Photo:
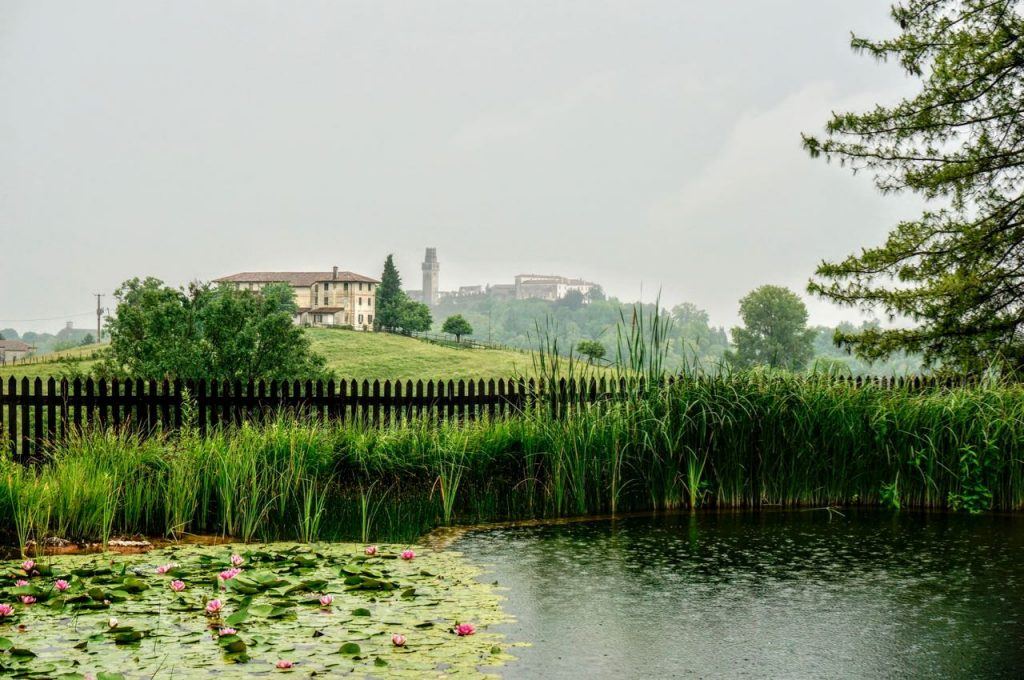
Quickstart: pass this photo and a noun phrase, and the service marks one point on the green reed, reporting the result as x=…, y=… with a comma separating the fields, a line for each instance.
x=732, y=440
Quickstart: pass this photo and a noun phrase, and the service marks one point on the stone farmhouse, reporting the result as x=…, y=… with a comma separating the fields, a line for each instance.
x=335, y=298
x=12, y=351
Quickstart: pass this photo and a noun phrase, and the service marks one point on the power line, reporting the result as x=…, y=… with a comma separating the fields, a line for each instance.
x=48, y=318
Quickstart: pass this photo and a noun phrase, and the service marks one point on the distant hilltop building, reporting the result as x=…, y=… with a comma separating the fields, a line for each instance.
x=334, y=298
x=431, y=276
x=549, y=287
x=526, y=287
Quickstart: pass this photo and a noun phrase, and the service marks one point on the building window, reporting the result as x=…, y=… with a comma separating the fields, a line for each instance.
x=360, y=318
x=360, y=285
x=369, y=318
x=345, y=286
x=327, y=286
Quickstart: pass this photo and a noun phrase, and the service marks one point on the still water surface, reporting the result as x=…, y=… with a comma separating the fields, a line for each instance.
x=774, y=594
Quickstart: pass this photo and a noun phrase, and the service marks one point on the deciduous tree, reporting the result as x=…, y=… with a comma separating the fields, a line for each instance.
x=774, y=331
x=456, y=325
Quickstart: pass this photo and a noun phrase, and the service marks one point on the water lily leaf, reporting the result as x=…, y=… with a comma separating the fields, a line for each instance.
x=5, y=644
x=361, y=611
x=126, y=638
x=109, y=676
x=231, y=643
x=237, y=618
x=22, y=652
x=350, y=649
x=379, y=662
x=408, y=593
x=134, y=585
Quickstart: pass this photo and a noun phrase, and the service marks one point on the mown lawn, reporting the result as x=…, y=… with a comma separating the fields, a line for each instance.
x=382, y=356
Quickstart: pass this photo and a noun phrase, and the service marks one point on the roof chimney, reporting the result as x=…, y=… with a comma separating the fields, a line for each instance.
x=335, y=274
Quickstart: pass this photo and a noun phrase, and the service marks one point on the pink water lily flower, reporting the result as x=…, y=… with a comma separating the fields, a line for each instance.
x=284, y=663
x=61, y=585
x=464, y=629
x=177, y=586
x=27, y=599
x=371, y=550
x=226, y=631
x=398, y=640
x=164, y=568
x=21, y=582
x=112, y=622
x=6, y=610
x=326, y=600
x=214, y=606
x=236, y=560
x=229, y=574
x=408, y=554
x=28, y=565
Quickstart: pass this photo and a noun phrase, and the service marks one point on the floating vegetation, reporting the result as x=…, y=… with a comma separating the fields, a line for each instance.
x=191, y=610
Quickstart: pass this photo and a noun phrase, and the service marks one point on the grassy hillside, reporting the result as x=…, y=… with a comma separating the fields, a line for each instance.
x=349, y=354
x=54, y=364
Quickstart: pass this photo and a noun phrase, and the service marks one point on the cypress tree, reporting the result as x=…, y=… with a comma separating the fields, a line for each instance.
x=390, y=297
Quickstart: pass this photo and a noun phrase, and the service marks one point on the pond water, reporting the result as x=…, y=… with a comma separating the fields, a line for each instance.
x=774, y=594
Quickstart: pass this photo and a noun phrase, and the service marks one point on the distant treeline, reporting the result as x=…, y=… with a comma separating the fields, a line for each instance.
x=693, y=341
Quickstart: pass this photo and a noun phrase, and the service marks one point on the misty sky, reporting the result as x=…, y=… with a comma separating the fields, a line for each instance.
x=642, y=145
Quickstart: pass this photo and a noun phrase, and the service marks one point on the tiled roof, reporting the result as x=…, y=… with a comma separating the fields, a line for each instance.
x=298, y=279
x=15, y=346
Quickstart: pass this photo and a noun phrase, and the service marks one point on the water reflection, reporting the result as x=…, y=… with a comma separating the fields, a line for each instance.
x=773, y=594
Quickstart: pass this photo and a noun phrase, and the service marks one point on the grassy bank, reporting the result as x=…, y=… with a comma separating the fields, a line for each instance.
x=731, y=441
x=350, y=354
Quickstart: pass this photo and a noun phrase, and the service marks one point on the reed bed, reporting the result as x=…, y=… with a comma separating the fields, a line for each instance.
x=737, y=440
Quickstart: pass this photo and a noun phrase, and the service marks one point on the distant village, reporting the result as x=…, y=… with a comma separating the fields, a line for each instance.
x=345, y=298
x=334, y=298
x=525, y=286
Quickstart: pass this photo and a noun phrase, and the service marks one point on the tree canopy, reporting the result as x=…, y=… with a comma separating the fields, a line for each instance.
x=957, y=270
x=774, y=331
x=458, y=326
x=216, y=333
x=413, y=317
x=592, y=349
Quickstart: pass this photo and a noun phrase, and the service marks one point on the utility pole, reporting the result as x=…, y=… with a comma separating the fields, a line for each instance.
x=99, y=317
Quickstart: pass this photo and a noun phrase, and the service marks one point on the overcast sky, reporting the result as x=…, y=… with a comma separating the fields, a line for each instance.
x=642, y=145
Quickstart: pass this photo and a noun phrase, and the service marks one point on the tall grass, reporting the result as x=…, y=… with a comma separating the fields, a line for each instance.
x=736, y=440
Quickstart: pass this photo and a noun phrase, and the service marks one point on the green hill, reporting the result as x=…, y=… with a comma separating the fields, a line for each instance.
x=350, y=354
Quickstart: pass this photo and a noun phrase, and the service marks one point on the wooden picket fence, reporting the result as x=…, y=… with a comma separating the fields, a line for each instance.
x=36, y=413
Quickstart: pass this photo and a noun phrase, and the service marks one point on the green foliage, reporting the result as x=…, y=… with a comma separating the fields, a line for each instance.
x=774, y=331
x=87, y=340
x=458, y=326
x=725, y=441
x=390, y=297
x=959, y=142
x=592, y=349
x=221, y=333
x=839, y=359
x=513, y=323
x=413, y=317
